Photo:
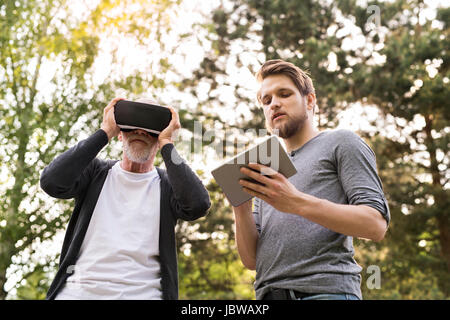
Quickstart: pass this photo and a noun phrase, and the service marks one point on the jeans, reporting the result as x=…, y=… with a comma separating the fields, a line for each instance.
x=328, y=296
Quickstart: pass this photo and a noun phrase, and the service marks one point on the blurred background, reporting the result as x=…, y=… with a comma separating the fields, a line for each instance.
x=380, y=68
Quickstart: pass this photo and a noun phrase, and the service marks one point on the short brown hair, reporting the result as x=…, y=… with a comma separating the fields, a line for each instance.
x=299, y=77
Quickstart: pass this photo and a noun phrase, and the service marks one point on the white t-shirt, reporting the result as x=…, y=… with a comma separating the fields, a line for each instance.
x=119, y=257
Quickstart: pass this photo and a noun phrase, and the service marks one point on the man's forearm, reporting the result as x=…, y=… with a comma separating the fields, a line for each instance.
x=246, y=236
x=63, y=172
x=186, y=185
x=353, y=220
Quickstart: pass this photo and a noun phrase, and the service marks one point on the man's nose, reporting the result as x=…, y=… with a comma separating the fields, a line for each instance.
x=140, y=131
x=274, y=104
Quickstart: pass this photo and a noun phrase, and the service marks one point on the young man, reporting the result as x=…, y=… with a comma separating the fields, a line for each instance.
x=120, y=241
x=299, y=235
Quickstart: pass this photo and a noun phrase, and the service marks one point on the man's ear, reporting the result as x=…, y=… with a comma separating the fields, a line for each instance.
x=120, y=136
x=311, y=100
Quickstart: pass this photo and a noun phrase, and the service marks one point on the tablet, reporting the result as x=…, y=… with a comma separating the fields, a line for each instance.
x=270, y=153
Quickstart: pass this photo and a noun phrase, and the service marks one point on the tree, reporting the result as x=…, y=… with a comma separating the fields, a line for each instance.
x=32, y=121
x=410, y=88
x=48, y=98
x=386, y=55
x=240, y=33
x=209, y=266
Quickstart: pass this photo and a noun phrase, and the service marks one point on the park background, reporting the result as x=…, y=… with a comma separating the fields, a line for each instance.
x=380, y=69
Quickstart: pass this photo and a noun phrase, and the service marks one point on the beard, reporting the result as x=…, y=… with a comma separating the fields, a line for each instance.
x=138, y=152
x=290, y=126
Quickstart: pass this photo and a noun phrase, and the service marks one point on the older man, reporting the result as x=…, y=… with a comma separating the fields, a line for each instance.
x=120, y=241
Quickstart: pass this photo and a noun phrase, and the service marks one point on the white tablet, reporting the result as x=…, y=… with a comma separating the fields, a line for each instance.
x=270, y=153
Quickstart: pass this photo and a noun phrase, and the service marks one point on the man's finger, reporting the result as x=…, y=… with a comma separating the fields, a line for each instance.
x=253, y=186
x=257, y=194
x=118, y=98
x=172, y=110
x=264, y=170
x=175, y=118
x=256, y=175
x=113, y=102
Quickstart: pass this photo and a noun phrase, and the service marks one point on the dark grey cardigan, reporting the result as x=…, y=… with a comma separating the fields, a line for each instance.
x=77, y=173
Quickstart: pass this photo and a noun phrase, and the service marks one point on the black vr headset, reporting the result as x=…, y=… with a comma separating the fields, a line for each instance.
x=132, y=115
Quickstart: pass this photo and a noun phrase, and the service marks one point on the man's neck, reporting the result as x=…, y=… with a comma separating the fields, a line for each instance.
x=135, y=167
x=301, y=137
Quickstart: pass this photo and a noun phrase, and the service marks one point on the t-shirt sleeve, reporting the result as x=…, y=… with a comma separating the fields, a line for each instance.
x=256, y=213
x=357, y=171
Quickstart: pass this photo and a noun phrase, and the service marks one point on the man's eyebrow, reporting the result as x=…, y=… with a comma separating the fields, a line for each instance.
x=284, y=89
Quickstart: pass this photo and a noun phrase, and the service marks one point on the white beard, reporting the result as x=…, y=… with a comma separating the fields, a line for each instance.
x=137, y=154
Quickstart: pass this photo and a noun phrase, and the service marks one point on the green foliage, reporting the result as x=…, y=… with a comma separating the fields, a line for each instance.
x=35, y=287
x=48, y=99
x=410, y=87
x=31, y=120
x=209, y=266
x=402, y=68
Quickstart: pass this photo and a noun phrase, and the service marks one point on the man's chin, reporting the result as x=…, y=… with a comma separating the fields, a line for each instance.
x=284, y=132
x=277, y=130
x=138, y=154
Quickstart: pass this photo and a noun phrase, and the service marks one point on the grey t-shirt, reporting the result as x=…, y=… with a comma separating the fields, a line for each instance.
x=295, y=253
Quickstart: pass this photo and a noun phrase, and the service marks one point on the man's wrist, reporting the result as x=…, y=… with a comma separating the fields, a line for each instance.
x=307, y=204
x=243, y=209
x=164, y=142
x=108, y=132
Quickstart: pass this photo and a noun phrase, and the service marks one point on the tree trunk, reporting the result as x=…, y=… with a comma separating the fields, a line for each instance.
x=444, y=237
x=3, y=266
x=3, y=293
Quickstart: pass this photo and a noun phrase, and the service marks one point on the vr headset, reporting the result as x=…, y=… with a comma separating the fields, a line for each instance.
x=132, y=115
